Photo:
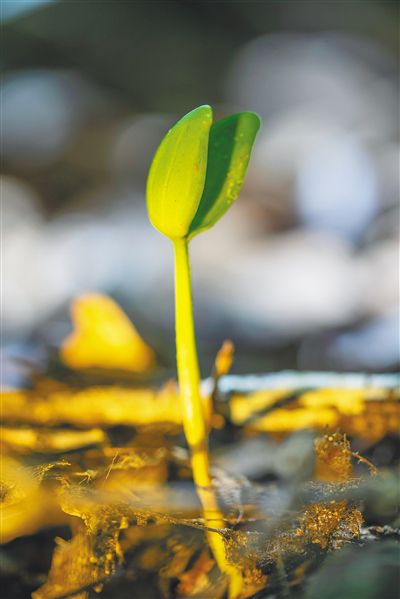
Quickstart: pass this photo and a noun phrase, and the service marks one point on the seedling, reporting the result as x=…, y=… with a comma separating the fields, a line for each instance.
x=196, y=174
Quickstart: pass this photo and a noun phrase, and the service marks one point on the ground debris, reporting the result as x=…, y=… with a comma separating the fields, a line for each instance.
x=330, y=525
x=94, y=406
x=366, y=413
x=28, y=440
x=93, y=458
x=376, y=533
x=126, y=516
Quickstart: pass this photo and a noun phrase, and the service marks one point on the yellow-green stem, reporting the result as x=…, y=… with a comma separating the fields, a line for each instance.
x=194, y=418
x=188, y=367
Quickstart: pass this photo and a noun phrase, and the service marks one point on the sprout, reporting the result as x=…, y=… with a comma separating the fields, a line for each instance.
x=197, y=173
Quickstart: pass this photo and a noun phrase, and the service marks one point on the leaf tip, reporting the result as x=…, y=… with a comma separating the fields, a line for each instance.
x=203, y=112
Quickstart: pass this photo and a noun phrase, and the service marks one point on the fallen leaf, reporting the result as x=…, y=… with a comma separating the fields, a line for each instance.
x=104, y=337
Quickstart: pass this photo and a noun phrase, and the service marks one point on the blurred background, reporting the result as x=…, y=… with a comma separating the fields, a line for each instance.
x=302, y=272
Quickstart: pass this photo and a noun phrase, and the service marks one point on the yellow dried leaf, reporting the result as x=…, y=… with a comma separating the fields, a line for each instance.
x=94, y=406
x=24, y=506
x=74, y=569
x=245, y=407
x=368, y=413
x=104, y=337
x=41, y=440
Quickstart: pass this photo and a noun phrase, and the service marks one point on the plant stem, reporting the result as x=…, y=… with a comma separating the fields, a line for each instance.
x=194, y=413
x=194, y=422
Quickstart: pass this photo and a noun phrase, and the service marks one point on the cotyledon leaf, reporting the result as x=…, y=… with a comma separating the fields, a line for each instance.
x=177, y=174
x=229, y=149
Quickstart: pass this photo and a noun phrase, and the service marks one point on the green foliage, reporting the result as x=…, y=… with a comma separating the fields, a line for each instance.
x=177, y=174
x=229, y=149
x=198, y=171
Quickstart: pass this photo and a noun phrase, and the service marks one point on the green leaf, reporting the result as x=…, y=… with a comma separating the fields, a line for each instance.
x=229, y=149
x=177, y=174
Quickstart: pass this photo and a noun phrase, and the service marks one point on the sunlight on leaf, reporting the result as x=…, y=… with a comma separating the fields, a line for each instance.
x=40, y=440
x=369, y=413
x=177, y=174
x=24, y=507
x=104, y=337
x=275, y=411
x=93, y=406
